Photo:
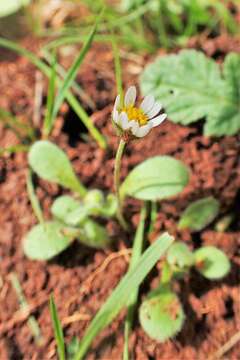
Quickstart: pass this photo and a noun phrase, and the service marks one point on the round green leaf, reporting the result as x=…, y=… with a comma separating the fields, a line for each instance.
x=44, y=241
x=52, y=164
x=211, y=262
x=162, y=316
x=179, y=255
x=156, y=178
x=199, y=214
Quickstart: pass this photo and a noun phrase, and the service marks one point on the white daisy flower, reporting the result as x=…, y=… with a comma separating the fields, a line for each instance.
x=137, y=121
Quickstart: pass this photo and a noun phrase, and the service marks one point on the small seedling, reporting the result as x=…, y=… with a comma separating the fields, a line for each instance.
x=161, y=314
x=73, y=217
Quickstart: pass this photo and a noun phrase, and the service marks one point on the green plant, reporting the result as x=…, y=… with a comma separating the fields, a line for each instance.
x=199, y=214
x=161, y=313
x=191, y=87
x=73, y=217
x=48, y=71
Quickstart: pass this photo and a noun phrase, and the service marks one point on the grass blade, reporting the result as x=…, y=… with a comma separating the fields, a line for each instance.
x=75, y=86
x=120, y=295
x=50, y=99
x=117, y=63
x=12, y=122
x=136, y=254
x=71, y=74
x=46, y=70
x=33, y=199
x=58, y=332
x=32, y=322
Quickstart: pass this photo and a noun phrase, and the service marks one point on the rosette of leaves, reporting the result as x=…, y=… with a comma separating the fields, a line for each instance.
x=192, y=87
x=74, y=217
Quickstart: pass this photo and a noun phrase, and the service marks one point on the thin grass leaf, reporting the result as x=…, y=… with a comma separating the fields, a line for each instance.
x=33, y=199
x=50, y=98
x=136, y=254
x=58, y=332
x=117, y=65
x=75, y=86
x=71, y=74
x=21, y=130
x=46, y=70
x=120, y=295
x=136, y=42
x=31, y=321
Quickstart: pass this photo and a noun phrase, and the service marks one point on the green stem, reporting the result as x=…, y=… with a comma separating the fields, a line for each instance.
x=117, y=169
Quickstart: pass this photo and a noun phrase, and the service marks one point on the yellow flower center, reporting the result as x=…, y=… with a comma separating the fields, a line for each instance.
x=136, y=114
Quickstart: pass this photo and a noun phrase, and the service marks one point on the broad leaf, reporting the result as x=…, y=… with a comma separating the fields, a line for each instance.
x=161, y=314
x=211, y=262
x=199, y=214
x=226, y=120
x=190, y=86
x=51, y=163
x=156, y=178
x=44, y=241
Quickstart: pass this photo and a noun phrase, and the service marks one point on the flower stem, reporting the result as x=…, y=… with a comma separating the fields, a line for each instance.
x=117, y=169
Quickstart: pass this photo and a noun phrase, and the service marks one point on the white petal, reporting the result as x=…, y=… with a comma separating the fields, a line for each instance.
x=155, y=110
x=143, y=130
x=117, y=103
x=123, y=121
x=115, y=116
x=147, y=103
x=130, y=96
x=134, y=126
x=158, y=120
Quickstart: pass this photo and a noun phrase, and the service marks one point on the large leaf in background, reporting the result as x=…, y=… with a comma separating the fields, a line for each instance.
x=190, y=87
x=226, y=120
x=52, y=164
x=156, y=178
x=8, y=7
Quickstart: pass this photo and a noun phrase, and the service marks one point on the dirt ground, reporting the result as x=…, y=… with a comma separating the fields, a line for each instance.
x=81, y=278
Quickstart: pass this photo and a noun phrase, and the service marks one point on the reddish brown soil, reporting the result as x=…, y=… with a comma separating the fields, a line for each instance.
x=212, y=308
